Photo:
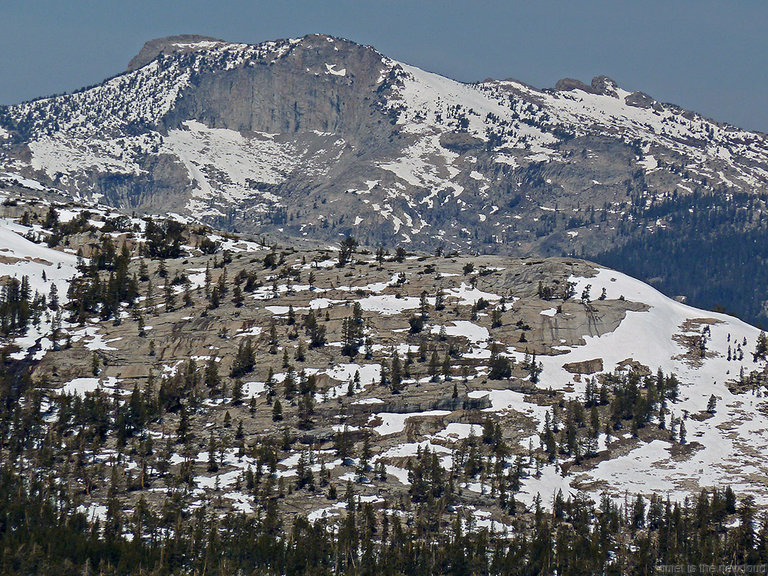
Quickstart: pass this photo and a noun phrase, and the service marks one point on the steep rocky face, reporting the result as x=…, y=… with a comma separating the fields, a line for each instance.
x=315, y=86
x=321, y=137
x=198, y=122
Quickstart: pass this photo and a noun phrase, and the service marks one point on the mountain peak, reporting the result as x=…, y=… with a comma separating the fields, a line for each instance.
x=153, y=48
x=193, y=42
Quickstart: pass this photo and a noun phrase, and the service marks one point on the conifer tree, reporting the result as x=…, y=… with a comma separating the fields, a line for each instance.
x=395, y=374
x=213, y=465
x=301, y=351
x=277, y=410
x=434, y=366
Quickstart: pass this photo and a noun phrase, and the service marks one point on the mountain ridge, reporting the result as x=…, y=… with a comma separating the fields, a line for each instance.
x=277, y=136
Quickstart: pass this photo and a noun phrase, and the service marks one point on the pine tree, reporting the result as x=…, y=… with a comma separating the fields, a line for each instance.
x=237, y=296
x=207, y=283
x=290, y=384
x=496, y=318
x=212, y=379
x=682, y=432
x=237, y=392
x=53, y=298
x=245, y=359
x=95, y=361
x=346, y=249
x=315, y=331
x=269, y=384
x=170, y=296
x=140, y=325
x=273, y=341
x=761, y=347
x=143, y=271
x=352, y=332
x=434, y=366
x=396, y=374
x=446, y=366
x=222, y=283
x=182, y=430
x=306, y=411
x=304, y=476
x=277, y=411
x=500, y=367
x=213, y=465
x=548, y=438
x=214, y=298
x=440, y=300
x=301, y=351
x=424, y=306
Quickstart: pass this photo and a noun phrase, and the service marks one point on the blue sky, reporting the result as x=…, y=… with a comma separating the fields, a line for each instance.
x=707, y=56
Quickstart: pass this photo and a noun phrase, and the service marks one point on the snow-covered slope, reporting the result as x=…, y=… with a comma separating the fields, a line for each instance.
x=665, y=336
x=531, y=124
x=44, y=268
x=655, y=337
x=22, y=257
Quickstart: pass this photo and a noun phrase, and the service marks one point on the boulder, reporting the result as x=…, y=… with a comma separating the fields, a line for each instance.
x=639, y=100
x=568, y=84
x=459, y=142
x=584, y=367
x=605, y=86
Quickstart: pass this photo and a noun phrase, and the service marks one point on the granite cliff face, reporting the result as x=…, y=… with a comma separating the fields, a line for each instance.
x=204, y=126
x=320, y=137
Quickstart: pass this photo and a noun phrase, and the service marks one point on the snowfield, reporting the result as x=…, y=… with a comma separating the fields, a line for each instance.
x=648, y=336
x=725, y=443
x=45, y=268
x=20, y=257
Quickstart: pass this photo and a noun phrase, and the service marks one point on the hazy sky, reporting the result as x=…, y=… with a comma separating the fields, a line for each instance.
x=707, y=56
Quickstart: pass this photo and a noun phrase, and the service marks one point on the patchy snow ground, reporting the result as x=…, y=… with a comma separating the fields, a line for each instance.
x=648, y=337
x=345, y=373
x=34, y=260
x=725, y=448
x=394, y=423
x=388, y=304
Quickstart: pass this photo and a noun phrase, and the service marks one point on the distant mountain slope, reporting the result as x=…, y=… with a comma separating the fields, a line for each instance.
x=322, y=137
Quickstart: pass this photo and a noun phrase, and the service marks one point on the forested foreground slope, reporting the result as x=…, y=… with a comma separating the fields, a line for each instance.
x=181, y=400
